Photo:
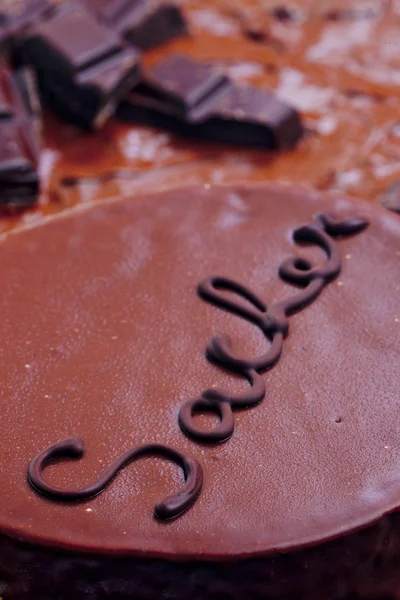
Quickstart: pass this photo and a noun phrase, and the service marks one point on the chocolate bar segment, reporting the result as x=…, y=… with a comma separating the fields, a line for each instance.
x=177, y=86
x=82, y=66
x=19, y=139
x=142, y=108
x=18, y=94
x=110, y=11
x=252, y=117
x=198, y=100
x=183, y=84
x=71, y=41
x=18, y=14
x=26, y=82
x=15, y=17
x=19, y=103
x=4, y=36
x=144, y=23
x=166, y=95
x=152, y=28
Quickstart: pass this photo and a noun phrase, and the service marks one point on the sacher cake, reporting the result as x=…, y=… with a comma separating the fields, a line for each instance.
x=200, y=399
x=199, y=316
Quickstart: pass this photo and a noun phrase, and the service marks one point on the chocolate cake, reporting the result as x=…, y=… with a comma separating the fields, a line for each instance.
x=199, y=395
x=200, y=399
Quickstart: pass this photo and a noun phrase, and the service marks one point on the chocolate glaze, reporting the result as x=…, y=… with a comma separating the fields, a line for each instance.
x=272, y=322
x=103, y=338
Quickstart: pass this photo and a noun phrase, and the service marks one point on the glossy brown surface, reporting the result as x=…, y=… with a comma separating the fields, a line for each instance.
x=338, y=64
x=104, y=336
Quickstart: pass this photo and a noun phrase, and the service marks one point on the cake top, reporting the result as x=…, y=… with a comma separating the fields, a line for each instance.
x=104, y=337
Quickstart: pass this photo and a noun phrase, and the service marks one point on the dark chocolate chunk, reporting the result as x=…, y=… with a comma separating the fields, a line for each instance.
x=197, y=100
x=23, y=13
x=141, y=108
x=179, y=85
x=27, y=85
x=26, y=82
x=82, y=66
x=15, y=17
x=391, y=198
x=19, y=139
x=4, y=37
x=250, y=116
x=110, y=11
x=81, y=100
x=13, y=158
x=6, y=107
x=153, y=27
x=18, y=95
x=70, y=42
x=143, y=23
x=19, y=103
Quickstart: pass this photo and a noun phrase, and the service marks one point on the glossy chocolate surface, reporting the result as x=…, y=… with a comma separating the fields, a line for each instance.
x=272, y=321
x=103, y=338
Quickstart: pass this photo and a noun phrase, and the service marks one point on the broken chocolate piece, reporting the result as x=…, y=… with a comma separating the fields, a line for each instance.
x=110, y=11
x=197, y=100
x=141, y=108
x=4, y=37
x=143, y=23
x=179, y=85
x=19, y=103
x=152, y=27
x=19, y=137
x=18, y=180
x=27, y=85
x=246, y=117
x=16, y=15
x=391, y=198
x=252, y=117
x=26, y=82
x=81, y=65
x=186, y=83
x=70, y=42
